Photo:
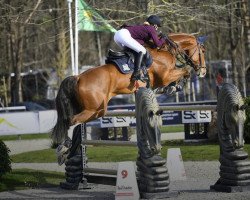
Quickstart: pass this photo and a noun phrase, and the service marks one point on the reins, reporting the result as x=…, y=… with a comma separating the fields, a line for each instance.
x=186, y=58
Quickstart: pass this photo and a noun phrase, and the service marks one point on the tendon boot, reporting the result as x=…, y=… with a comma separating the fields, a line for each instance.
x=138, y=75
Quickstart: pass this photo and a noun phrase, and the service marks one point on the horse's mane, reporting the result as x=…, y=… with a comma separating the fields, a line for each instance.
x=176, y=37
x=180, y=36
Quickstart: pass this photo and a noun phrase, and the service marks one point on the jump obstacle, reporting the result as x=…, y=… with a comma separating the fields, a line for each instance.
x=151, y=169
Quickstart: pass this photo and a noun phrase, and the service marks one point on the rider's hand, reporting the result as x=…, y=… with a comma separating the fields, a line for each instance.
x=162, y=35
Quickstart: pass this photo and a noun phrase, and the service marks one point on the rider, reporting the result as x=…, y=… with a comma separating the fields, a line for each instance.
x=135, y=36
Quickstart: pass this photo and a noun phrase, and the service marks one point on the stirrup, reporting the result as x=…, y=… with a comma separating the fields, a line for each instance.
x=136, y=76
x=170, y=90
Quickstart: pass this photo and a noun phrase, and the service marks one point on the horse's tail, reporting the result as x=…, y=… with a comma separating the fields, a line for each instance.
x=66, y=106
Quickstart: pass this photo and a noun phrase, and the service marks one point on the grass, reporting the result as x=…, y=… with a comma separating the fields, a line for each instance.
x=172, y=129
x=25, y=136
x=190, y=152
x=164, y=129
x=24, y=178
x=40, y=156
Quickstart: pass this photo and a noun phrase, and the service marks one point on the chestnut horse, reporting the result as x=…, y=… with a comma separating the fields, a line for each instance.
x=84, y=97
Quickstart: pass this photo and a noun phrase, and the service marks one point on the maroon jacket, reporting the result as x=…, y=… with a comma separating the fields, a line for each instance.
x=143, y=33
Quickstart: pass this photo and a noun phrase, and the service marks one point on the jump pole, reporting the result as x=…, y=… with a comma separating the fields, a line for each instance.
x=164, y=108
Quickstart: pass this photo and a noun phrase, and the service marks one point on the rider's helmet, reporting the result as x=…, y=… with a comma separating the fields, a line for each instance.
x=154, y=20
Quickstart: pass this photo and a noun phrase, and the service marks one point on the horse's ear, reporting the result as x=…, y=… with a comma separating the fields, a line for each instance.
x=202, y=39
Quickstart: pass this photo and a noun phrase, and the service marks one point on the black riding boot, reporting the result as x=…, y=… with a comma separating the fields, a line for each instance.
x=138, y=75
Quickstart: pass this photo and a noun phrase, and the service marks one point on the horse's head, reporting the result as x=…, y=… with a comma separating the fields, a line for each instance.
x=193, y=51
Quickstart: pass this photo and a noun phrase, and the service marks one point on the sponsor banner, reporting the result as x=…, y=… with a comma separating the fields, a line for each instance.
x=47, y=120
x=171, y=117
x=17, y=123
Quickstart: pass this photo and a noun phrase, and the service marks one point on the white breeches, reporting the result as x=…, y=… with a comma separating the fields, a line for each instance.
x=123, y=39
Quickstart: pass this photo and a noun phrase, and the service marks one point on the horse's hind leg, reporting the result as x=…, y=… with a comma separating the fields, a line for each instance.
x=94, y=105
x=86, y=116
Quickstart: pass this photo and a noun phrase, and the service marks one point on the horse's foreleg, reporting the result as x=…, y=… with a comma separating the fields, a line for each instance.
x=178, y=74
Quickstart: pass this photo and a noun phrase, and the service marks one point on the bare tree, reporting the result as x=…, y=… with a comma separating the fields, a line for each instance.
x=35, y=34
x=16, y=24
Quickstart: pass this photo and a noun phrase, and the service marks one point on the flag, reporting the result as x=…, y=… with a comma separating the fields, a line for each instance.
x=90, y=20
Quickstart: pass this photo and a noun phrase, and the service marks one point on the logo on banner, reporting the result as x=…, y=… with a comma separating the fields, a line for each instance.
x=108, y=122
x=199, y=116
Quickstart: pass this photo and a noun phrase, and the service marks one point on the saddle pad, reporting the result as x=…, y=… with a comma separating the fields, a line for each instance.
x=126, y=65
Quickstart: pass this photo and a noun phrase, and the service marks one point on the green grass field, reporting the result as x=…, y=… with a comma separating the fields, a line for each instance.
x=164, y=129
x=190, y=152
x=25, y=137
x=25, y=178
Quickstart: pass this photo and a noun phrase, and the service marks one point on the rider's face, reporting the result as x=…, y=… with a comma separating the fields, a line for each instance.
x=156, y=27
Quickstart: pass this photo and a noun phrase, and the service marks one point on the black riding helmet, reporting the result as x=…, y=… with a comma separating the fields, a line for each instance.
x=154, y=20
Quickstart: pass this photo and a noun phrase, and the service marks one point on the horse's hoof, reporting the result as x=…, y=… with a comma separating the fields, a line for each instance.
x=178, y=88
x=170, y=90
x=62, y=152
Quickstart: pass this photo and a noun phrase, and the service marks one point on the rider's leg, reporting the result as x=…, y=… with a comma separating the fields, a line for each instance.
x=123, y=38
x=137, y=75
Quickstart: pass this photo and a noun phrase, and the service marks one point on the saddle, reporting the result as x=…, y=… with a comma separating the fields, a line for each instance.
x=124, y=60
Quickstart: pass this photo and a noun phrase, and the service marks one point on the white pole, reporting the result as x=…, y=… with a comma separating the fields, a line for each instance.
x=71, y=38
x=99, y=47
x=193, y=92
x=76, y=37
x=177, y=97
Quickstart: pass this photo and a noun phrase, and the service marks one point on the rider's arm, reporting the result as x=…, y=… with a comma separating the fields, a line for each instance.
x=153, y=34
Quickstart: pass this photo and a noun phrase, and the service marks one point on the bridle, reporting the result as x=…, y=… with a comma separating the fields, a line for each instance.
x=188, y=59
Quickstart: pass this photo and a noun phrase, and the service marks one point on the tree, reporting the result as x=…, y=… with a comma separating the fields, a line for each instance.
x=61, y=43
x=16, y=24
x=34, y=35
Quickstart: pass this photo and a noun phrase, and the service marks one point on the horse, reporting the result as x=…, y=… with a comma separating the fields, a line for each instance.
x=84, y=97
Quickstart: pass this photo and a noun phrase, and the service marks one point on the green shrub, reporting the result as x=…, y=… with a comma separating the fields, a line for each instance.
x=247, y=122
x=5, y=162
